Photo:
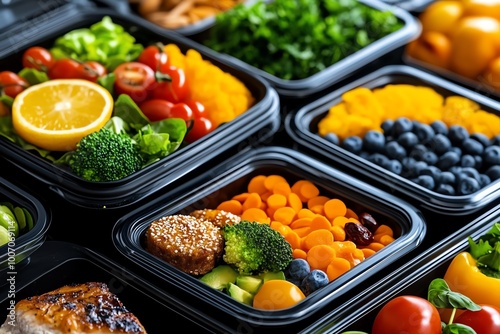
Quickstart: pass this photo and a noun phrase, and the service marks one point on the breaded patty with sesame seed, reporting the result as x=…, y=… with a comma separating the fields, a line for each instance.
x=188, y=243
x=219, y=218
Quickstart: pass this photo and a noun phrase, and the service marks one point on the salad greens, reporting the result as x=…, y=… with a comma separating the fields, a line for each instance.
x=487, y=252
x=294, y=39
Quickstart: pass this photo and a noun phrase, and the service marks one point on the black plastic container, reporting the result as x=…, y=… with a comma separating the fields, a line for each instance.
x=411, y=279
x=230, y=178
x=255, y=125
x=302, y=126
x=56, y=264
x=306, y=87
x=16, y=252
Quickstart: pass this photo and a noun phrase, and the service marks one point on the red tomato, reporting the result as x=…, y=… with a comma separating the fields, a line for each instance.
x=12, y=84
x=175, y=90
x=134, y=79
x=66, y=68
x=156, y=110
x=38, y=58
x=407, y=314
x=484, y=321
x=198, y=108
x=200, y=128
x=154, y=57
x=91, y=70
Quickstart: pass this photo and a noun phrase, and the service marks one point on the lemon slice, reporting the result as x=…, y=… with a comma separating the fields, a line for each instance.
x=57, y=114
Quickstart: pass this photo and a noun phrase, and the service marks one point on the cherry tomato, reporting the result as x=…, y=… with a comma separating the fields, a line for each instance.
x=277, y=295
x=175, y=90
x=201, y=126
x=38, y=58
x=154, y=57
x=65, y=68
x=484, y=321
x=407, y=314
x=134, y=79
x=91, y=70
x=12, y=84
x=198, y=108
x=156, y=110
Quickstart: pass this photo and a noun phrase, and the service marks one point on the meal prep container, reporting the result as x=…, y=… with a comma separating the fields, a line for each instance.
x=302, y=126
x=230, y=178
x=17, y=251
x=303, y=88
x=411, y=279
x=255, y=125
x=57, y=263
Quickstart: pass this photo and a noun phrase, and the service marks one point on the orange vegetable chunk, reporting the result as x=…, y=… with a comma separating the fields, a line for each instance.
x=320, y=256
x=256, y=184
x=335, y=208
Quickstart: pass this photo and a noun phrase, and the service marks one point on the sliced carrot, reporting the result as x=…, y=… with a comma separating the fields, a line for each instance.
x=301, y=222
x=317, y=237
x=320, y=222
x=318, y=200
x=338, y=233
x=384, y=229
x=385, y=239
x=282, y=188
x=241, y=197
x=302, y=231
x=335, y=208
x=298, y=253
x=305, y=213
x=376, y=246
x=276, y=201
x=294, y=201
x=270, y=212
x=358, y=254
x=252, y=201
x=367, y=252
x=351, y=214
x=265, y=196
x=344, y=248
x=320, y=256
x=282, y=229
x=255, y=214
x=232, y=206
x=272, y=180
x=294, y=239
x=256, y=184
x=285, y=215
x=337, y=267
x=297, y=185
x=308, y=191
x=340, y=221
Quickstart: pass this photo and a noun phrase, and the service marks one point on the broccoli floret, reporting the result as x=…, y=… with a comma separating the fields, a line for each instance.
x=253, y=247
x=105, y=156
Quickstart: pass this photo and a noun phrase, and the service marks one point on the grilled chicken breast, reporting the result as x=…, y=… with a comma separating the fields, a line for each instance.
x=74, y=309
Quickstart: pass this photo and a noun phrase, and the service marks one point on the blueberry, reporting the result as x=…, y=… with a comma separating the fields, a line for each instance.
x=468, y=185
x=440, y=127
x=484, y=180
x=353, y=144
x=315, y=280
x=457, y=134
x=447, y=178
x=412, y=168
x=472, y=146
x=401, y=125
x=432, y=171
x=373, y=141
x=447, y=160
x=479, y=161
x=430, y=157
x=439, y=144
x=493, y=172
x=378, y=159
x=445, y=189
x=408, y=140
x=297, y=270
x=423, y=131
x=395, y=151
x=387, y=127
x=425, y=181
x=332, y=138
x=394, y=166
x=364, y=155
x=491, y=155
x=467, y=160
x=495, y=140
x=482, y=138
x=418, y=151
x=457, y=150
x=471, y=172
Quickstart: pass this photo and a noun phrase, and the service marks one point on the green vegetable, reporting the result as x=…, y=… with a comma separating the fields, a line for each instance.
x=105, y=156
x=240, y=294
x=487, y=251
x=105, y=42
x=294, y=39
x=253, y=247
x=219, y=277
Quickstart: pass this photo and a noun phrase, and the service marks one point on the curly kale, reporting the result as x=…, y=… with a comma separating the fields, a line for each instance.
x=253, y=248
x=105, y=156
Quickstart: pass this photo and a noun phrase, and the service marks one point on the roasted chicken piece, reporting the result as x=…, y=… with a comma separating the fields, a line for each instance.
x=73, y=309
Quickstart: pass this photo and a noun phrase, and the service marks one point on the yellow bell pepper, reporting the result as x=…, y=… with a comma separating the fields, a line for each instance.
x=464, y=276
